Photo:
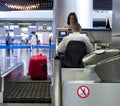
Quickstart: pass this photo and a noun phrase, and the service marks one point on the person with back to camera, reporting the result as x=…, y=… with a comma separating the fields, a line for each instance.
x=77, y=36
x=8, y=42
x=72, y=18
x=33, y=42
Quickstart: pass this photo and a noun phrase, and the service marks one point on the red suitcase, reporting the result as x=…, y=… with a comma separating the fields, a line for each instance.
x=38, y=67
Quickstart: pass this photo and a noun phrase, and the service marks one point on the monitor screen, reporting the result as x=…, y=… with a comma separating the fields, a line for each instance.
x=99, y=23
x=60, y=34
x=63, y=33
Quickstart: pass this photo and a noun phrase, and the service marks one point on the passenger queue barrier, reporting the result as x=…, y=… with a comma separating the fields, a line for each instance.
x=24, y=46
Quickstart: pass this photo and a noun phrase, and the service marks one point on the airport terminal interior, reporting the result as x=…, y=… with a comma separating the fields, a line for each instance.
x=96, y=84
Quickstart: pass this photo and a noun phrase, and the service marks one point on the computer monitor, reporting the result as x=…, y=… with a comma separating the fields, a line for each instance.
x=99, y=23
x=60, y=33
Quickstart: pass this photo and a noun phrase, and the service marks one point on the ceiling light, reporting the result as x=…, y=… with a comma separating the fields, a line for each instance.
x=23, y=7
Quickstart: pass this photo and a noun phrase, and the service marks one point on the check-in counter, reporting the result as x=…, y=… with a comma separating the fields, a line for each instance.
x=90, y=93
x=62, y=75
x=82, y=86
x=96, y=35
x=99, y=35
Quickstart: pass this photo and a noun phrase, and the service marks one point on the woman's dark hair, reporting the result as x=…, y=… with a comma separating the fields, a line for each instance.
x=75, y=18
x=32, y=32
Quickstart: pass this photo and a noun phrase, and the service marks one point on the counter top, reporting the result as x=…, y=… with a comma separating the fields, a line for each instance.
x=96, y=29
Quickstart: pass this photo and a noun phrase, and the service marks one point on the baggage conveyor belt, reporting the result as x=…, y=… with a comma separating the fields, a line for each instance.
x=29, y=91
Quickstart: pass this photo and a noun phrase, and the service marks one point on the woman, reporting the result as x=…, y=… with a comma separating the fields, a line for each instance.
x=72, y=18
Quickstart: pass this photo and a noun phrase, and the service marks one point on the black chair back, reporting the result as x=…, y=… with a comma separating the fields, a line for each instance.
x=74, y=53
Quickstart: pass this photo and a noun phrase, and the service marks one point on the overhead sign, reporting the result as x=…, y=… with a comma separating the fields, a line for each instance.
x=83, y=91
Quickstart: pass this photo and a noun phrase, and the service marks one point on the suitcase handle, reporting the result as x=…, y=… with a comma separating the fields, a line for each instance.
x=40, y=54
x=45, y=68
